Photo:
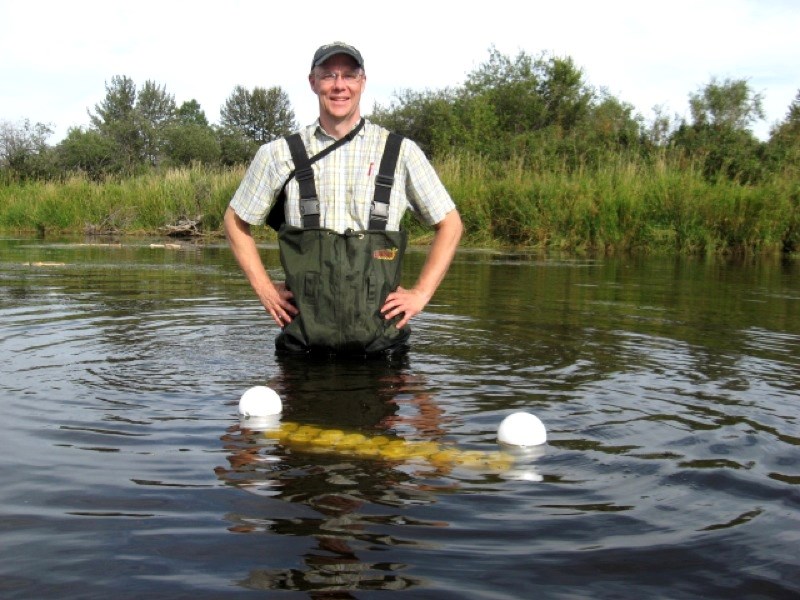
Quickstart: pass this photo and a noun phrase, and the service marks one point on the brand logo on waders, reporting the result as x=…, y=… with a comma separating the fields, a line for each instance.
x=385, y=254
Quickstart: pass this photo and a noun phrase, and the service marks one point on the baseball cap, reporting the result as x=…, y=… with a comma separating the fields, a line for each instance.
x=323, y=53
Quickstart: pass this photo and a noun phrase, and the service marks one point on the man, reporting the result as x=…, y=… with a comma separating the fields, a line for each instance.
x=321, y=306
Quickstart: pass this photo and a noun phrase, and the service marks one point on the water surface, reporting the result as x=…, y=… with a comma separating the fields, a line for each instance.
x=669, y=388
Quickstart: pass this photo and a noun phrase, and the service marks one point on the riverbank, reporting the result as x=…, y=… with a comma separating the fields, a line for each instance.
x=621, y=208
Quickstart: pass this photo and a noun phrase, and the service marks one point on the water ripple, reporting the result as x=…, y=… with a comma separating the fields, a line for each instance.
x=672, y=468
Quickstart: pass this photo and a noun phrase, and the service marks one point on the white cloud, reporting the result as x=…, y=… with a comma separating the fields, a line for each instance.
x=55, y=57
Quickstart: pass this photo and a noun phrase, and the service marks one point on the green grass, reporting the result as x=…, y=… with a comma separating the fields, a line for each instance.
x=140, y=204
x=623, y=206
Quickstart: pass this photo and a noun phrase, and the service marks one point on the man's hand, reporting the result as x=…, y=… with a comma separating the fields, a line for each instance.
x=277, y=300
x=411, y=302
x=407, y=303
x=274, y=297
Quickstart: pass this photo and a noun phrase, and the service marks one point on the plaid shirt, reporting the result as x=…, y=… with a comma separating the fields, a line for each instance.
x=345, y=181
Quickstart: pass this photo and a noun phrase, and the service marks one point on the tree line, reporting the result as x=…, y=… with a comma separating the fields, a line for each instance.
x=536, y=111
x=541, y=112
x=135, y=130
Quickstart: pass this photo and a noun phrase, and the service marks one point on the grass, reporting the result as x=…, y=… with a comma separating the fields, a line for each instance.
x=623, y=206
x=140, y=204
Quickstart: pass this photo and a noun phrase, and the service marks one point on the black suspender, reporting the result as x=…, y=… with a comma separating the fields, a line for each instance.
x=304, y=174
x=277, y=216
x=379, y=211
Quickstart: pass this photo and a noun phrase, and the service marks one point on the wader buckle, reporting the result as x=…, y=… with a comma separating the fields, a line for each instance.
x=309, y=206
x=379, y=210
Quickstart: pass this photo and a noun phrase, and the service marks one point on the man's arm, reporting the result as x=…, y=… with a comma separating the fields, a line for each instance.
x=441, y=253
x=274, y=297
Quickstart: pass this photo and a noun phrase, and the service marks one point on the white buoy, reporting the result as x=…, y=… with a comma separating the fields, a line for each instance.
x=260, y=408
x=260, y=401
x=521, y=429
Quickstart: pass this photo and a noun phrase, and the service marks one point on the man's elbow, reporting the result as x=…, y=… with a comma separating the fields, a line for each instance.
x=451, y=224
x=233, y=224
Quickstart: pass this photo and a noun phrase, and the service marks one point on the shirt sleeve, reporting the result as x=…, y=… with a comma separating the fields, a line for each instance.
x=426, y=194
x=261, y=184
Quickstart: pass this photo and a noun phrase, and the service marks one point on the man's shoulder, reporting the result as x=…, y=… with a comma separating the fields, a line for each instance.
x=371, y=128
x=279, y=143
x=382, y=133
x=276, y=147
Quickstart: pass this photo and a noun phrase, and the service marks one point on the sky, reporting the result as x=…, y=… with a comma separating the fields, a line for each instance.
x=56, y=57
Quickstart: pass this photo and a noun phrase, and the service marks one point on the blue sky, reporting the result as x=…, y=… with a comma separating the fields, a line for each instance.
x=56, y=56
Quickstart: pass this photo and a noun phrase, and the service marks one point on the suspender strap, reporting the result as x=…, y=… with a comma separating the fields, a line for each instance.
x=304, y=174
x=379, y=212
x=309, y=203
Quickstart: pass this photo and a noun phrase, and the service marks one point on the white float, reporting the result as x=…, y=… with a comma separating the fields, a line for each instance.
x=522, y=429
x=260, y=407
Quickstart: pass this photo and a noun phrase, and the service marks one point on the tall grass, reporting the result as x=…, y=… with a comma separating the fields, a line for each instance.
x=625, y=205
x=622, y=206
x=141, y=204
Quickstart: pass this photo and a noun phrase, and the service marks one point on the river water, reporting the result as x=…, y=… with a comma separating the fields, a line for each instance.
x=669, y=389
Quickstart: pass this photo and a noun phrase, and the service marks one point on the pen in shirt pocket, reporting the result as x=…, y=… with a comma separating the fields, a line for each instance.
x=371, y=165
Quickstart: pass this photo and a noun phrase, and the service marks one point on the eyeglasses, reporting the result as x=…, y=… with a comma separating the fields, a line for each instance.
x=348, y=77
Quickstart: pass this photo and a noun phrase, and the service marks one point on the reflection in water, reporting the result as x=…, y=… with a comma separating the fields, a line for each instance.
x=340, y=491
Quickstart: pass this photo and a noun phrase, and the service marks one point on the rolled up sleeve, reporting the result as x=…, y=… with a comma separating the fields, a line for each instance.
x=426, y=193
x=261, y=184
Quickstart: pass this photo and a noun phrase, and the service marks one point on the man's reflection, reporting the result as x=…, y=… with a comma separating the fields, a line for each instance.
x=371, y=397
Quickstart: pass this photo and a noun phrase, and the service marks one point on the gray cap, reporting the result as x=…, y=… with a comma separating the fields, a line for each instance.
x=323, y=53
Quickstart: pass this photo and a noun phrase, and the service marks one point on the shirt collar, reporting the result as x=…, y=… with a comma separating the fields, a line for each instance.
x=322, y=134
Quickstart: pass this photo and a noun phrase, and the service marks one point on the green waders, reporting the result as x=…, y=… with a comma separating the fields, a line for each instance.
x=340, y=281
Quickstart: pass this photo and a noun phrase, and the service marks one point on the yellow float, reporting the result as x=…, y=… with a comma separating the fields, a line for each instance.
x=380, y=447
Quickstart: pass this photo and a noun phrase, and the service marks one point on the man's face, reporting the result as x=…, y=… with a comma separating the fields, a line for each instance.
x=338, y=83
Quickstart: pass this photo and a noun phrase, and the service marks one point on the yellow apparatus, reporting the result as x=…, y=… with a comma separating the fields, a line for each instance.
x=379, y=447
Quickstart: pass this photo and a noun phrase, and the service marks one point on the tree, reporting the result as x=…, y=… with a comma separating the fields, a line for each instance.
x=235, y=148
x=730, y=104
x=23, y=149
x=115, y=118
x=718, y=136
x=426, y=117
x=661, y=128
x=190, y=112
x=568, y=99
x=507, y=106
x=88, y=151
x=154, y=111
x=185, y=143
x=262, y=115
x=190, y=138
x=784, y=141
x=612, y=125
x=532, y=93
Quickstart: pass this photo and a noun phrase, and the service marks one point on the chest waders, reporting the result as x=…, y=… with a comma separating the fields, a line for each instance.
x=340, y=280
